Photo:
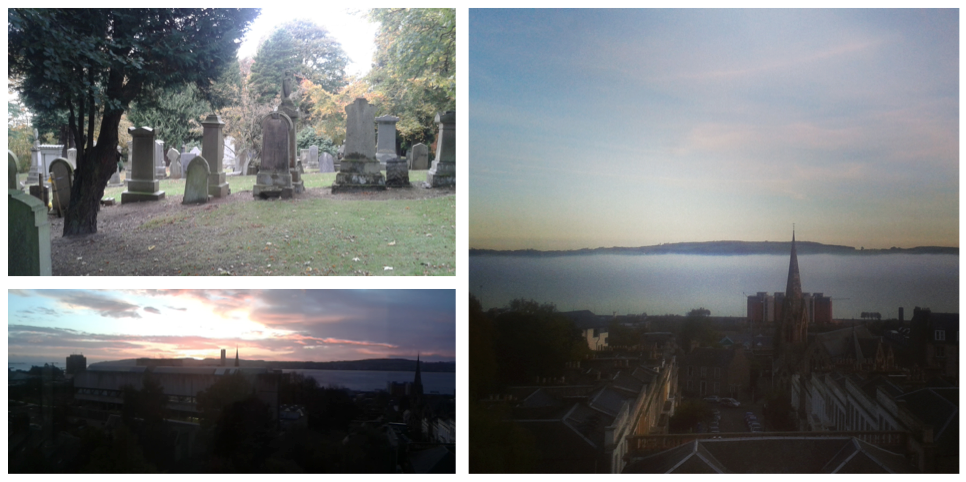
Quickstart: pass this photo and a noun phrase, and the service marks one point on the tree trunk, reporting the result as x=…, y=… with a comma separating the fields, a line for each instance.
x=93, y=172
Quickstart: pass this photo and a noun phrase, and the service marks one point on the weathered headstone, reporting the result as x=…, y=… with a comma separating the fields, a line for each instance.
x=72, y=157
x=326, y=162
x=62, y=175
x=160, y=168
x=386, y=131
x=36, y=161
x=28, y=236
x=174, y=160
x=143, y=185
x=130, y=151
x=274, y=177
x=12, y=171
x=419, y=157
x=213, y=150
x=241, y=162
x=196, y=181
x=313, y=157
x=443, y=171
x=359, y=169
x=397, y=173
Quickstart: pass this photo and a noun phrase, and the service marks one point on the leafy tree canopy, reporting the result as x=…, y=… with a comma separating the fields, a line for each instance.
x=175, y=114
x=321, y=58
x=95, y=62
x=274, y=58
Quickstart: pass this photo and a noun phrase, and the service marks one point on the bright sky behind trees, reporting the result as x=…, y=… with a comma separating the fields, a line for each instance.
x=312, y=325
x=598, y=128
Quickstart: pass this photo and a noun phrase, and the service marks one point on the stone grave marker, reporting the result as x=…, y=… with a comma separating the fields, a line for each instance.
x=313, y=157
x=160, y=168
x=62, y=175
x=213, y=150
x=196, y=181
x=72, y=157
x=386, y=147
x=443, y=171
x=174, y=157
x=359, y=169
x=143, y=185
x=419, y=157
x=28, y=236
x=12, y=171
x=274, y=176
x=326, y=162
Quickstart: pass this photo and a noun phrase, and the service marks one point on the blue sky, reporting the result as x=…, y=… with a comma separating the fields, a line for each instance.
x=597, y=128
x=318, y=325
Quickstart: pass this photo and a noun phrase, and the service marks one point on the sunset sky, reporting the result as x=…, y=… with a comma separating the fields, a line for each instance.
x=593, y=128
x=316, y=325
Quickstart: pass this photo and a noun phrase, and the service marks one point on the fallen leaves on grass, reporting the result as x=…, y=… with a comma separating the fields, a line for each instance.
x=392, y=243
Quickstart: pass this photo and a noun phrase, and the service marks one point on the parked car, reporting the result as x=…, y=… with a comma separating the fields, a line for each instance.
x=730, y=402
x=754, y=427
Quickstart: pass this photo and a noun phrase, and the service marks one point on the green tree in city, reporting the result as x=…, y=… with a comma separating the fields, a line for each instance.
x=94, y=63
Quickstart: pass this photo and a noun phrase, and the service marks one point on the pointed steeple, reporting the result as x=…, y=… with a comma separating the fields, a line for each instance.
x=236, y=355
x=793, y=289
x=418, y=381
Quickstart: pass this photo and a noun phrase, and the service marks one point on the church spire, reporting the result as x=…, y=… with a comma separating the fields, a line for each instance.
x=418, y=381
x=236, y=355
x=793, y=289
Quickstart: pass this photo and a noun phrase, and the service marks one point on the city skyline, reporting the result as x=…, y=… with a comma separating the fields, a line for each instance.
x=45, y=326
x=598, y=128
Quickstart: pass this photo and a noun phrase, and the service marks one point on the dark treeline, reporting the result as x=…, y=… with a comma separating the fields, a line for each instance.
x=726, y=248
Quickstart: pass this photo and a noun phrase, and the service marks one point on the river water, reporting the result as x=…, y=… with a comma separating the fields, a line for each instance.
x=675, y=284
x=367, y=381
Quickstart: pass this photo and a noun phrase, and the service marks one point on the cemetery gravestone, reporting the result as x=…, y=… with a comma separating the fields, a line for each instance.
x=313, y=157
x=213, y=150
x=359, y=169
x=72, y=157
x=326, y=163
x=196, y=181
x=443, y=171
x=274, y=178
x=386, y=147
x=143, y=186
x=28, y=236
x=160, y=168
x=174, y=158
x=12, y=171
x=228, y=158
x=419, y=155
x=62, y=175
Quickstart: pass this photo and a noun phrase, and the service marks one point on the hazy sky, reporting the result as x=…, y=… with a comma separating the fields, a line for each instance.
x=318, y=325
x=597, y=128
x=356, y=34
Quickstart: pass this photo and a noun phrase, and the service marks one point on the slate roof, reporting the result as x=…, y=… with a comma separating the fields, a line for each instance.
x=773, y=455
x=938, y=407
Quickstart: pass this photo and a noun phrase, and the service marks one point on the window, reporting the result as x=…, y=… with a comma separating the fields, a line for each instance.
x=704, y=387
x=940, y=351
x=717, y=372
x=715, y=388
x=690, y=372
x=704, y=372
x=940, y=335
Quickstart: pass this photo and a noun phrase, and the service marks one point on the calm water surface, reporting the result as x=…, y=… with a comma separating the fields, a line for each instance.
x=367, y=381
x=675, y=284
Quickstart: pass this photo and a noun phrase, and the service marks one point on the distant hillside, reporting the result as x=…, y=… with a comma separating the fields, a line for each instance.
x=726, y=248
x=377, y=364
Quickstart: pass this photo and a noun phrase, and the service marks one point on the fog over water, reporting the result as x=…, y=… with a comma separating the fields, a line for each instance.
x=675, y=283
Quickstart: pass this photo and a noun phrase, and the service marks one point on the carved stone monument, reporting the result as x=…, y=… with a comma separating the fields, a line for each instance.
x=160, y=168
x=419, y=157
x=28, y=236
x=12, y=171
x=443, y=171
x=359, y=169
x=72, y=157
x=174, y=163
x=143, y=185
x=213, y=150
x=386, y=138
x=326, y=162
x=288, y=108
x=62, y=175
x=274, y=177
x=196, y=181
